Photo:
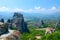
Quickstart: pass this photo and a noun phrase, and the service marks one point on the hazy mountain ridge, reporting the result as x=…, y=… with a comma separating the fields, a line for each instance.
x=6, y=15
x=30, y=16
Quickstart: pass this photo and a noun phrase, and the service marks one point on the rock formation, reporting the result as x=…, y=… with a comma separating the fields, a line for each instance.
x=19, y=22
x=3, y=28
x=12, y=35
x=2, y=20
x=21, y=25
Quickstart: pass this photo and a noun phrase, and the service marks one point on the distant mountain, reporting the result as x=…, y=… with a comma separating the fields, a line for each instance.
x=42, y=15
x=31, y=16
x=6, y=15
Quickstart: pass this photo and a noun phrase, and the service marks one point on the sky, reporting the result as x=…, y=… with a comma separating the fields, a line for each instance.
x=33, y=6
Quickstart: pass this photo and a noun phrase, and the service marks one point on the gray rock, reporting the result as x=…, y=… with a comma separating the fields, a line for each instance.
x=18, y=19
x=3, y=28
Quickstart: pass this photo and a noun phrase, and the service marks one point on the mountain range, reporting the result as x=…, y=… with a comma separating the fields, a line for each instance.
x=31, y=16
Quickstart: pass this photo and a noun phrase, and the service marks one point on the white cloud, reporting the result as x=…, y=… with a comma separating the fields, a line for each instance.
x=4, y=9
x=43, y=9
x=17, y=10
x=53, y=8
x=28, y=10
x=35, y=9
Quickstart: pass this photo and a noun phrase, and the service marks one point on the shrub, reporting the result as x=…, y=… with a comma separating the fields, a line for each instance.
x=53, y=36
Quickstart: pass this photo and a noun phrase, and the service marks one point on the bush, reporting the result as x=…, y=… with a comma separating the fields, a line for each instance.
x=32, y=34
x=54, y=36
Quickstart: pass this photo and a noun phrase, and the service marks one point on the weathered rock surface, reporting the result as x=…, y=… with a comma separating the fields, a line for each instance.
x=18, y=19
x=3, y=28
x=12, y=35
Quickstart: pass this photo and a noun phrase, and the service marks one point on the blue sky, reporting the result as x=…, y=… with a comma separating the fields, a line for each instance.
x=30, y=5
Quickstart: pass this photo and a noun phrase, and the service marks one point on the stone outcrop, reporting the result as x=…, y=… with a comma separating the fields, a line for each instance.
x=12, y=35
x=3, y=28
x=19, y=22
x=21, y=25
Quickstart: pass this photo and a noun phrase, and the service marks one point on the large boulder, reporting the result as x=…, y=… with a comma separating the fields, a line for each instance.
x=21, y=25
x=12, y=35
x=3, y=28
